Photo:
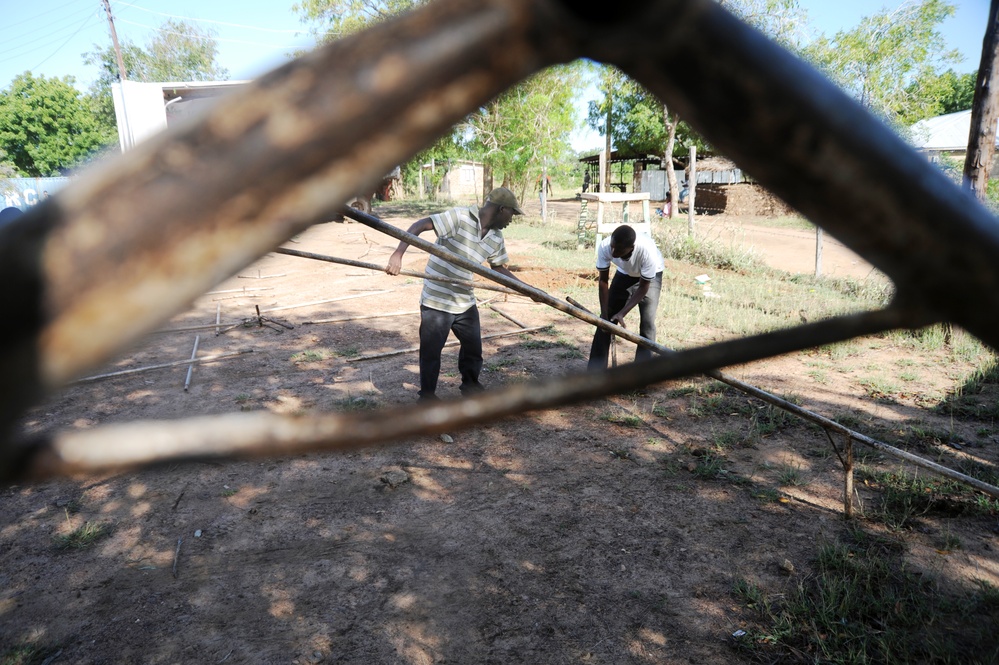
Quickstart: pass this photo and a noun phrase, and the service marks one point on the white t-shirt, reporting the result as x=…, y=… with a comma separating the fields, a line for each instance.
x=646, y=261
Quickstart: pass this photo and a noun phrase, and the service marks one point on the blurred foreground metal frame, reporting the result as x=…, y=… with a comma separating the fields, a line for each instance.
x=132, y=242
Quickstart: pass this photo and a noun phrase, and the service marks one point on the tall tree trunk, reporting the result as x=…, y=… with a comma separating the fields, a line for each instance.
x=674, y=193
x=607, y=173
x=984, y=112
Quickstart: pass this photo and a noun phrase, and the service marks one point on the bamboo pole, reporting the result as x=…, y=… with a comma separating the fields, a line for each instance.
x=190, y=368
x=506, y=316
x=404, y=271
x=721, y=354
x=347, y=319
x=323, y=302
x=177, y=363
x=451, y=343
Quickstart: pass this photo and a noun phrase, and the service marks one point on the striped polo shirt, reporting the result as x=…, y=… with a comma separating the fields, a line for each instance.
x=457, y=231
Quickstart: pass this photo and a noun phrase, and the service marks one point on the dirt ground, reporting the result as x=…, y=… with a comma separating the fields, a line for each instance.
x=581, y=535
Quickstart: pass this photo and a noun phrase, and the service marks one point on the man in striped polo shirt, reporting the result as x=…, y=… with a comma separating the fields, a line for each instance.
x=474, y=233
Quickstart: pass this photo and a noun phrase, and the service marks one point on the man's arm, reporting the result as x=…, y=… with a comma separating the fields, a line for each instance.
x=603, y=289
x=636, y=297
x=395, y=261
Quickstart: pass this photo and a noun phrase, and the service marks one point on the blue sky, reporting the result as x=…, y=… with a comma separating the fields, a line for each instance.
x=48, y=37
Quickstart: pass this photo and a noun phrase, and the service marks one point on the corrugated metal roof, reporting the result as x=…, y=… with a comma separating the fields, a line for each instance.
x=944, y=132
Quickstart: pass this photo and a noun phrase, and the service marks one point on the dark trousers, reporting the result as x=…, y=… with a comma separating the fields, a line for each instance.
x=434, y=328
x=621, y=288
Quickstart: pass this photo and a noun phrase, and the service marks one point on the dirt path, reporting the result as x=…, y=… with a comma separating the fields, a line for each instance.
x=608, y=532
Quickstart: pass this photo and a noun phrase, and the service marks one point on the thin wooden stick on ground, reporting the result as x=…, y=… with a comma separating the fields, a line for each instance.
x=190, y=368
x=347, y=319
x=178, y=363
x=323, y=302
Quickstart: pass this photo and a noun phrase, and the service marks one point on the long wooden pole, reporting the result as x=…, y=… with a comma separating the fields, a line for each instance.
x=861, y=324
x=177, y=363
x=404, y=271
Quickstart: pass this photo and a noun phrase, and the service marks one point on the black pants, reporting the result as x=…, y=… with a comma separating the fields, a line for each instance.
x=621, y=288
x=434, y=328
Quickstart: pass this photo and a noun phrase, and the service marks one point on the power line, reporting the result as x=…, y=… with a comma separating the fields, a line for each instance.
x=86, y=21
x=37, y=44
x=37, y=16
x=217, y=39
x=53, y=34
x=205, y=20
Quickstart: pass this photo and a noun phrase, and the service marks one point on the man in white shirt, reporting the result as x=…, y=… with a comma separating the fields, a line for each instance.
x=638, y=280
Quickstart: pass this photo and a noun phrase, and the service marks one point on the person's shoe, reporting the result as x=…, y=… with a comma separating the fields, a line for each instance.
x=468, y=389
x=428, y=397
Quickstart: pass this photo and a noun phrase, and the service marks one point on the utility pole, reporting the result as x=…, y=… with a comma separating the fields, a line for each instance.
x=114, y=40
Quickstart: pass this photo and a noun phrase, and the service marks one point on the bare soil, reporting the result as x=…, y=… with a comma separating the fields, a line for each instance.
x=589, y=534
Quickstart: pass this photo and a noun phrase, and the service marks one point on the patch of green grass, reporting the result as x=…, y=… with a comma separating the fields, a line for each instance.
x=764, y=493
x=790, y=475
x=497, y=365
x=678, y=245
x=722, y=441
x=547, y=344
x=905, y=497
x=978, y=395
x=242, y=398
x=84, y=536
x=879, y=387
x=709, y=467
x=311, y=356
x=625, y=420
x=862, y=605
x=818, y=375
x=355, y=404
x=768, y=420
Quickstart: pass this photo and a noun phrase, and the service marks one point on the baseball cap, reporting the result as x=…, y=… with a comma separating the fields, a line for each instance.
x=502, y=196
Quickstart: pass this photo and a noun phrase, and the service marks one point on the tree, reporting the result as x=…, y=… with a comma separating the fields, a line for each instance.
x=332, y=19
x=953, y=92
x=178, y=52
x=889, y=61
x=46, y=125
x=781, y=20
x=528, y=126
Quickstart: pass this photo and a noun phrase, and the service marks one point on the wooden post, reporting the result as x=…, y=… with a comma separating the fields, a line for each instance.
x=984, y=111
x=818, y=251
x=544, y=194
x=602, y=185
x=848, y=483
x=190, y=368
x=691, y=189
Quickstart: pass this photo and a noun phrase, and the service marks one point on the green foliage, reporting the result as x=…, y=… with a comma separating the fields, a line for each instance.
x=84, y=536
x=46, y=125
x=528, y=126
x=332, y=19
x=863, y=606
x=638, y=124
x=781, y=20
x=951, y=91
x=889, y=61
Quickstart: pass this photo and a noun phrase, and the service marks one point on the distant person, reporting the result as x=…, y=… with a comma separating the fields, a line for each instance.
x=638, y=280
x=474, y=233
x=586, y=181
x=8, y=215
